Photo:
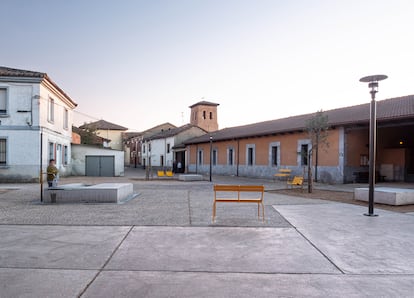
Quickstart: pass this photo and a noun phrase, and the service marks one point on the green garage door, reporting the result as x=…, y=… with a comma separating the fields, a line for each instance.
x=100, y=166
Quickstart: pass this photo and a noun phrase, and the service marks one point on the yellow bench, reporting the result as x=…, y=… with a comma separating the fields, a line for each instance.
x=296, y=181
x=283, y=173
x=236, y=190
x=165, y=174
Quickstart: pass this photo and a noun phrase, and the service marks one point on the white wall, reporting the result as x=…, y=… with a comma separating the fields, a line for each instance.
x=25, y=121
x=79, y=153
x=23, y=156
x=158, y=148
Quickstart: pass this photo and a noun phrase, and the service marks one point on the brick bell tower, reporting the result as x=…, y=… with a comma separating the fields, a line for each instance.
x=204, y=115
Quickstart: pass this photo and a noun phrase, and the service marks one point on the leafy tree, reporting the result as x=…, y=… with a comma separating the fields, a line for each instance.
x=317, y=128
x=88, y=134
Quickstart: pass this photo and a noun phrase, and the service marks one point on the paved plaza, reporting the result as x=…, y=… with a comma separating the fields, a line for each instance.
x=162, y=243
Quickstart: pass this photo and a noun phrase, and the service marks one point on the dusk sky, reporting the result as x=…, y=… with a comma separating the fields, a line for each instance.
x=142, y=63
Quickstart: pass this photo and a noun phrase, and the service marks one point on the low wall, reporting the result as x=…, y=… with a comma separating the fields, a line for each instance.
x=386, y=195
x=80, y=193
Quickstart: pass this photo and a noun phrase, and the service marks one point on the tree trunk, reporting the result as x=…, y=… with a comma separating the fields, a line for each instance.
x=310, y=180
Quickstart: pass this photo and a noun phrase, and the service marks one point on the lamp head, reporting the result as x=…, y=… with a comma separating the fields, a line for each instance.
x=374, y=78
x=373, y=83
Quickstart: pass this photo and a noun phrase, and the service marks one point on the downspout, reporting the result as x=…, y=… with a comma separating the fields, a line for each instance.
x=197, y=159
x=41, y=166
x=238, y=157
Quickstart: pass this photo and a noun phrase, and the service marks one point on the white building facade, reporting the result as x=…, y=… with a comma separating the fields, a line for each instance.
x=35, y=125
x=160, y=150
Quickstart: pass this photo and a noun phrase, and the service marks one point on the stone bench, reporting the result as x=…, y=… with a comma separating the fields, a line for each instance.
x=386, y=195
x=81, y=193
x=190, y=177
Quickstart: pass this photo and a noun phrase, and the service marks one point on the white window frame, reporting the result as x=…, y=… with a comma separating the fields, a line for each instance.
x=228, y=156
x=5, y=139
x=299, y=150
x=253, y=147
x=51, y=110
x=6, y=101
x=214, y=157
x=277, y=145
x=51, y=151
x=65, y=118
x=200, y=157
x=65, y=155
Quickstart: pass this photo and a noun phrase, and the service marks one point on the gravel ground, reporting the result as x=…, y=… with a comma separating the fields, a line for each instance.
x=340, y=196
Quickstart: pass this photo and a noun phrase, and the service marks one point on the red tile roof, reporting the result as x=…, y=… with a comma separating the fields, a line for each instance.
x=17, y=73
x=103, y=125
x=390, y=109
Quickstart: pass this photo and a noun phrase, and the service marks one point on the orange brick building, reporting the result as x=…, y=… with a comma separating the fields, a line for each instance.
x=261, y=149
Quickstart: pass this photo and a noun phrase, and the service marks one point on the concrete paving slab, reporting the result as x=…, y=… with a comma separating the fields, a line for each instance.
x=218, y=250
x=61, y=247
x=237, y=215
x=195, y=284
x=43, y=282
x=356, y=243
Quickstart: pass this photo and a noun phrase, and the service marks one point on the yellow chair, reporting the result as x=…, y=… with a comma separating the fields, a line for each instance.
x=297, y=181
x=169, y=173
x=160, y=174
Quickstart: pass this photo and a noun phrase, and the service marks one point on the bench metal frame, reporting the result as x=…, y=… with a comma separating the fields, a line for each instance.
x=259, y=189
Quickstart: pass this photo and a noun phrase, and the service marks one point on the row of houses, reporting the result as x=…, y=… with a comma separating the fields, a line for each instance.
x=36, y=118
x=261, y=149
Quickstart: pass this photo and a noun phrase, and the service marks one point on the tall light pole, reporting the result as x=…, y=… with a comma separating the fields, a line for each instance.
x=373, y=84
x=211, y=155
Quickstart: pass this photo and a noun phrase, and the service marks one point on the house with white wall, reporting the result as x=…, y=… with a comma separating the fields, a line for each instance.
x=166, y=147
x=35, y=125
x=133, y=143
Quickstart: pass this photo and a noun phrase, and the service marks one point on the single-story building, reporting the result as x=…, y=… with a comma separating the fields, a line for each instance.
x=261, y=149
x=89, y=160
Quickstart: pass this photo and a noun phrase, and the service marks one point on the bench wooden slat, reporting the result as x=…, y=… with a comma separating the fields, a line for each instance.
x=252, y=188
x=220, y=188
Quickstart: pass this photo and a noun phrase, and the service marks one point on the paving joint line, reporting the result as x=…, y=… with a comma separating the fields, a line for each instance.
x=106, y=263
x=314, y=246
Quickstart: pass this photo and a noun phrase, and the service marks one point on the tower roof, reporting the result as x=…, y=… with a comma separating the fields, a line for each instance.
x=204, y=103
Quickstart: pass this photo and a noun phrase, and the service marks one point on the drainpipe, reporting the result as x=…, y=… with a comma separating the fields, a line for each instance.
x=197, y=159
x=238, y=157
x=41, y=165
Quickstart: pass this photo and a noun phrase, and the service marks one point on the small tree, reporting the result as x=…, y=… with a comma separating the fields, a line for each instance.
x=317, y=128
x=88, y=134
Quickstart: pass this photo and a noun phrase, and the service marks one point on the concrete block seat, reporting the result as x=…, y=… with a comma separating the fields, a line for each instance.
x=190, y=177
x=386, y=195
x=82, y=193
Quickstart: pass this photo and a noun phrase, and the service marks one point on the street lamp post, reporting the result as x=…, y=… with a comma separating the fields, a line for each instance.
x=373, y=84
x=211, y=155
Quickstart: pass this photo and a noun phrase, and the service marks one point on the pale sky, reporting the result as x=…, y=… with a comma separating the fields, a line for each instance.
x=142, y=63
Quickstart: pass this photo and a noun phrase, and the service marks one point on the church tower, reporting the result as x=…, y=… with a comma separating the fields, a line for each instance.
x=204, y=115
